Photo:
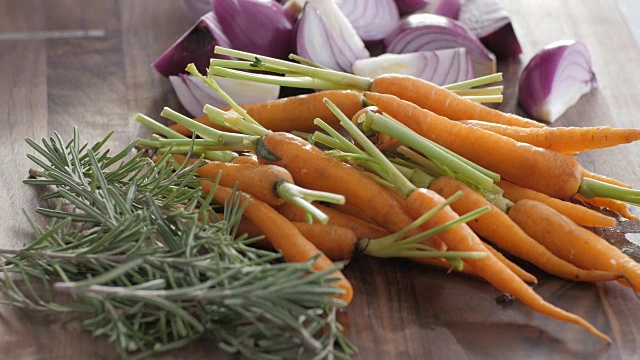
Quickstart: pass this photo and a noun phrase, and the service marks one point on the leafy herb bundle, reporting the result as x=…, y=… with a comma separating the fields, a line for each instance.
x=149, y=263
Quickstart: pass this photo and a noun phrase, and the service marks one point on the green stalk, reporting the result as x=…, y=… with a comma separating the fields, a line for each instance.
x=433, y=151
x=591, y=188
x=485, y=98
x=491, y=90
x=248, y=65
x=301, y=82
x=337, y=77
x=479, y=81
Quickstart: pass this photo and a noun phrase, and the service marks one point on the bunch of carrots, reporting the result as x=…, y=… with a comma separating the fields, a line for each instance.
x=427, y=173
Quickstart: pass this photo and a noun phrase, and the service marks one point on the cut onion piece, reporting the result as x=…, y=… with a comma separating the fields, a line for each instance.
x=373, y=20
x=326, y=37
x=258, y=26
x=448, y=8
x=410, y=6
x=428, y=32
x=441, y=67
x=194, y=94
x=195, y=46
x=490, y=22
x=555, y=78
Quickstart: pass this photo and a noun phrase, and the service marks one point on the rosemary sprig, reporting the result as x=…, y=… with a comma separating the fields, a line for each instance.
x=148, y=263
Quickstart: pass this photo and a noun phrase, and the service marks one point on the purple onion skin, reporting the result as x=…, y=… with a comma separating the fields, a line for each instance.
x=194, y=46
x=490, y=22
x=565, y=62
x=448, y=8
x=428, y=32
x=410, y=6
x=258, y=26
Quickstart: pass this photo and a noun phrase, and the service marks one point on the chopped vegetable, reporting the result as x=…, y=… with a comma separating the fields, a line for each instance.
x=372, y=20
x=425, y=32
x=555, y=79
x=490, y=22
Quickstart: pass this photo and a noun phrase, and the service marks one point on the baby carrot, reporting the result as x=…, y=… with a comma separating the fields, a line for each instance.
x=497, y=227
x=284, y=237
x=573, y=242
x=361, y=228
x=579, y=214
x=543, y=170
x=462, y=238
x=520, y=272
x=443, y=101
x=293, y=113
x=313, y=169
x=569, y=140
x=618, y=207
x=260, y=181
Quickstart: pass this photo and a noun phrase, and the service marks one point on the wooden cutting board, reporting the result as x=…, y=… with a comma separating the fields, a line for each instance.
x=87, y=64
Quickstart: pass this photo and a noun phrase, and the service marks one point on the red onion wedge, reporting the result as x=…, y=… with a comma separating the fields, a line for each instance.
x=410, y=6
x=195, y=46
x=555, y=78
x=427, y=32
x=490, y=22
x=441, y=67
x=259, y=26
x=373, y=20
x=194, y=94
x=326, y=37
x=448, y=8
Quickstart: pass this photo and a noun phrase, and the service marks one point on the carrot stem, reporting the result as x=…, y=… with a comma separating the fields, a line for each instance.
x=443, y=158
x=484, y=98
x=591, y=188
x=248, y=65
x=301, y=82
x=225, y=156
x=479, y=81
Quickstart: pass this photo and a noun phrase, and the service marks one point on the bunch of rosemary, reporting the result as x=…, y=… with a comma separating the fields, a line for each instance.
x=148, y=263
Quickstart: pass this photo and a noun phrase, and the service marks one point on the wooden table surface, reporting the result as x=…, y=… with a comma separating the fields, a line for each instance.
x=69, y=63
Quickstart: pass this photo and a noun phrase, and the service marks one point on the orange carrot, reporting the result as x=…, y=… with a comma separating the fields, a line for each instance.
x=313, y=169
x=443, y=102
x=258, y=180
x=284, y=237
x=497, y=227
x=462, y=238
x=246, y=159
x=362, y=229
x=520, y=272
x=579, y=214
x=294, y=112
x=573, y=242
x=618, y=207
x=543, y=170
x=588, y=174
x=568, y=140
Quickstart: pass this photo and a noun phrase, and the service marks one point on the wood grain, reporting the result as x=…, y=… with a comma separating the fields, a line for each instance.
x=401, y=310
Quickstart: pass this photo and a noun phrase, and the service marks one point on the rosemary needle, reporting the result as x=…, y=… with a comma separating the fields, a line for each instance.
x=125, y=241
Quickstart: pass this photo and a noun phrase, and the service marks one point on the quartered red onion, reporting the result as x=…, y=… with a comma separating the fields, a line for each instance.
x=555, y=78
x=448, y=8
x=441, y=67
x=490, y=22
x=373, y=20
x=410, y=6
x=427, y=32
x=194, y=94
x=258, y=26
x=194, y=46
x=326, y=37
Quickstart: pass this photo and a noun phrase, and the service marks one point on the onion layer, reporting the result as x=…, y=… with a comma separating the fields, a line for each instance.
x=448, y=8
x=258, y=26
x=373, y=20
x=194, y=94
x=441, y=67
x=555, y=78
x=194, y=46
x=326, y=37
x=428, y=32
x=409, y=6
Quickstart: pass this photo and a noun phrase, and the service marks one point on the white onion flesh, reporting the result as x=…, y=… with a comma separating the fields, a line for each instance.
x=441, y=67
x=555, y=79
x=373, y=20
x=326, y=37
